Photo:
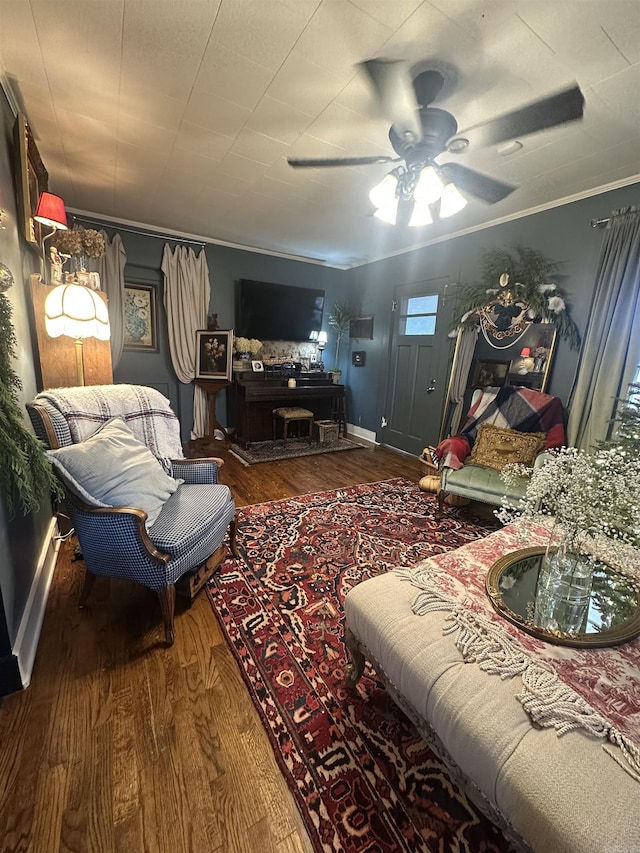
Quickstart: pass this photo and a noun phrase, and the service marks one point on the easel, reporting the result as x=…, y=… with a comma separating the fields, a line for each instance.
x=211, y=387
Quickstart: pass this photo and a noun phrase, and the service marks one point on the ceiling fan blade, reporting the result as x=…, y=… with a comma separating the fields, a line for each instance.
x=560, y=108
x=311, y=163
x=478, y=185
x=396, y=96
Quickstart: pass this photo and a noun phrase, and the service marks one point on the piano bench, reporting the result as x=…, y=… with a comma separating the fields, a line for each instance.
x=288, y=414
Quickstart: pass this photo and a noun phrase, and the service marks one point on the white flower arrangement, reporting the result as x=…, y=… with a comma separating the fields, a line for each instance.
x=250, y=345
x=593, y=498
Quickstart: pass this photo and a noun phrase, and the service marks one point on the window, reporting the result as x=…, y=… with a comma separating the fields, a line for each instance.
x=418, y=315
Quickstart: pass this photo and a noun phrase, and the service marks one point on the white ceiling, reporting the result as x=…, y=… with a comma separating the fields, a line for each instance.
x=180, y=114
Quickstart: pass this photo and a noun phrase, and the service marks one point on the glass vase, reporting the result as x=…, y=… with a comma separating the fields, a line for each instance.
x=563, y=590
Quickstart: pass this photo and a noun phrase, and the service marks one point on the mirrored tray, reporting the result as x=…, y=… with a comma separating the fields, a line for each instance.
x=606, y=612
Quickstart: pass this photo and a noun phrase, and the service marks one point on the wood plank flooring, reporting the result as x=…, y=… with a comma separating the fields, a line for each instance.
x=120, y=744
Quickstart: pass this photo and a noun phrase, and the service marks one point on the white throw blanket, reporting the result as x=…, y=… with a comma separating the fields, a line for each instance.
x=146, y=411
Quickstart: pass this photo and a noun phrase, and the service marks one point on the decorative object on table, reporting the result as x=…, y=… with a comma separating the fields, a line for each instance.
x=340, y=319
x=257, y=366
x=77, y=246
x=26, y=477
x=214, y=354
x=280, y=608
x=51, y=212
x=514, y=293
x=590, y=503
x=76, y=312
x=245, y=350
x=140, y=319
x=273, y=451
x=32, y=180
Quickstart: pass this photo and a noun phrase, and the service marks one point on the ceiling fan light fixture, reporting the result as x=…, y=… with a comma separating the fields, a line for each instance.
x=421, y=215
x=451, y=201
x=388, y=212
x=429, y=187
x=385, y=192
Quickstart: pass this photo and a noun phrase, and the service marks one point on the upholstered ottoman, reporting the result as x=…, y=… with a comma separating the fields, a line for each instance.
x=549, y=793
x=289, y=414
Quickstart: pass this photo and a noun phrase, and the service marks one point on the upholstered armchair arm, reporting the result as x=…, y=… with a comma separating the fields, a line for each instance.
x=202, y=471
x=115, y=542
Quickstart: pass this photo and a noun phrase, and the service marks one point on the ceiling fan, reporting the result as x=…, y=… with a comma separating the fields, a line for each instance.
x=420, y=187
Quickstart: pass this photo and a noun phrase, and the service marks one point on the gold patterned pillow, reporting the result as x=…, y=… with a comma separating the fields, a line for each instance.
x=496, y=447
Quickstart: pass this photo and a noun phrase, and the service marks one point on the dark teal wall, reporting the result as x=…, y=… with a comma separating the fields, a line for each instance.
x=22, y=538
x=562, y=234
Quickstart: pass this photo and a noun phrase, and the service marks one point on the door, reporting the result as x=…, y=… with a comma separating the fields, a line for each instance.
x=418, y=366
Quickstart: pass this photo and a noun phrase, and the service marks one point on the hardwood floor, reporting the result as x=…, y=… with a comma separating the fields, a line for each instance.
x=120, y=744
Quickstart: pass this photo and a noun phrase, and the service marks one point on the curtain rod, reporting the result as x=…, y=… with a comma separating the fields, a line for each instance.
x=599, y=223
x=160, y=236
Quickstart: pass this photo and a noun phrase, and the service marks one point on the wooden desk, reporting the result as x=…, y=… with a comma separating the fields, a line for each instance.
x=256, y=397
x=211, y=388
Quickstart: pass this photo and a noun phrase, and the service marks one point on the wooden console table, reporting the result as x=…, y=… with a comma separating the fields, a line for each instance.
x=211, y=388
x=256, y=396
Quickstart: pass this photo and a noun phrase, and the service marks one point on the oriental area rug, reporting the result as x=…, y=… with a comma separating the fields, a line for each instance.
x=362, y=777
x=273, y=451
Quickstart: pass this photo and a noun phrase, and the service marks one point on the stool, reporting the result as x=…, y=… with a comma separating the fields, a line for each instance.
x=339, y=414
x=291, y=413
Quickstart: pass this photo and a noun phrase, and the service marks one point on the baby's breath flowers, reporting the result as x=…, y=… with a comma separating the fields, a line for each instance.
x=593, y=498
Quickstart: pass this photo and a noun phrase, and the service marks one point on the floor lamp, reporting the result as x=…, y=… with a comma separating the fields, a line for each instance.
x=77, y=312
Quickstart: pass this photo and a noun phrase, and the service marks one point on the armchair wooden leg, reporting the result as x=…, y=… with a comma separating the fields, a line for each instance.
x=167, y=597
x=440, y=511
x=89, y=580
x=233, y=527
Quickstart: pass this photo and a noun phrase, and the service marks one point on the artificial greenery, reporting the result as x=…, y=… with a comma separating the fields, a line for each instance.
x=525, y=273
x=626, y=423
x=340, y=319
x=25, y=472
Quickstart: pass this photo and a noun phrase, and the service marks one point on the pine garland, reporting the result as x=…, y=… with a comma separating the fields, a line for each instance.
x=25, y=472
x=529, y=274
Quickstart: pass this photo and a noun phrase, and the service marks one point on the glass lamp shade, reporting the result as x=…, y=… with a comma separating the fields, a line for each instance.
x=322, y=340
x=384, y=193
x=421, y=214
x=429, y=187
x=451, y=201
x=77, y=312
x=388, y=212
x=51, y=212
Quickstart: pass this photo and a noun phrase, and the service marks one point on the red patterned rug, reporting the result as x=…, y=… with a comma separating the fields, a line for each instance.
x=362, y=777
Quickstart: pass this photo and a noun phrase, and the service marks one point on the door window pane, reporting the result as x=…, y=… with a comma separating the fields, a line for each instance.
x=418, y=315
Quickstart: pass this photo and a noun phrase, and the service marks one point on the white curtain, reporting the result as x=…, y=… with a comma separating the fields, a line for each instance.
x=611, y=346
x=111, y=270
x=186, y=301
x=465, y=348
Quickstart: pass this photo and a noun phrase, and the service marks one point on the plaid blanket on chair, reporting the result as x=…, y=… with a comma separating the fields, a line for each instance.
x=521, y=409
x=146, y=411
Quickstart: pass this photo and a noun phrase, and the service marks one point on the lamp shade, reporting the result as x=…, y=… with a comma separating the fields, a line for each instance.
x=322, y=337
x=77, y=312
x=51, y=212
x=525, y=352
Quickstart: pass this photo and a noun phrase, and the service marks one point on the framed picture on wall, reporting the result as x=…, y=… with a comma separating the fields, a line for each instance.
x=140, y=318
x=487, y=372
x=32, y=179
x=214, y=354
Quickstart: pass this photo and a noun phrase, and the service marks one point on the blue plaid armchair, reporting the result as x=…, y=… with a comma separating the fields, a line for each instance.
x=140, y=510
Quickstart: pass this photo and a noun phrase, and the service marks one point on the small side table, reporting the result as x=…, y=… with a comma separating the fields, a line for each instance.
x=211, y=388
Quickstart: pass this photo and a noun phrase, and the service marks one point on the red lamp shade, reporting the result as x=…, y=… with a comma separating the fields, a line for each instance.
x=526, y=352
x=51, y=212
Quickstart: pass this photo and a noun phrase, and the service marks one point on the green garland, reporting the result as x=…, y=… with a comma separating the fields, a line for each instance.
x=25, y=471
x=529, y=275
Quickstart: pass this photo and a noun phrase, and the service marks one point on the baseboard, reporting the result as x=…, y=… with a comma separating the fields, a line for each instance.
x=26, y=643
x=364, y=434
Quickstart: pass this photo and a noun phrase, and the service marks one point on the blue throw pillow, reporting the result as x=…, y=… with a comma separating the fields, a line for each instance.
x=113, y=468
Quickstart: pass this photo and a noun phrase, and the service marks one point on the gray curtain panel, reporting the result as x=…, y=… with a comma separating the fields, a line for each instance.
x=465, y=348
x=611, y=347
x=111, y=269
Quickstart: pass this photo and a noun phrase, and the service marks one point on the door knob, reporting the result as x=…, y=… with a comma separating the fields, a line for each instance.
x=431, y=387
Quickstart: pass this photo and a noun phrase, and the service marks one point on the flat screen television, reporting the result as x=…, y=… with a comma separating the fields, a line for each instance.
x=277, y=312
